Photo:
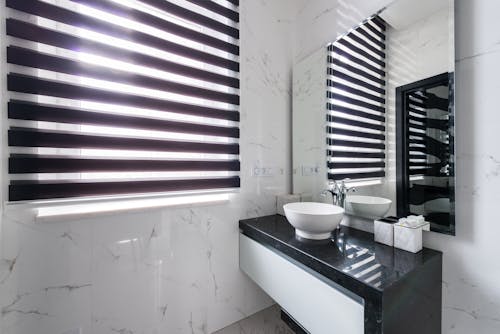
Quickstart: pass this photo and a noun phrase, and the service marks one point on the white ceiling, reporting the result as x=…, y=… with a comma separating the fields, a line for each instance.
x=403, y=13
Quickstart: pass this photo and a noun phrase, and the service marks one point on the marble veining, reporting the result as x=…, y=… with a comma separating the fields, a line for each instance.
x=171, y=270
x=34, y=257
x=477, y=71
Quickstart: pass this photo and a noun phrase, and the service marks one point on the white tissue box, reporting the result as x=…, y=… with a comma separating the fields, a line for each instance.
x=409, y=238
x=384, y=230
x=284, y=199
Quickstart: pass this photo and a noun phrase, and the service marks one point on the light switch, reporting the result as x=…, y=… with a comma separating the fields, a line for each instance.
x=309, y=170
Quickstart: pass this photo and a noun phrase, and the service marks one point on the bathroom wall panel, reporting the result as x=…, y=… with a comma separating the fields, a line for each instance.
x=171, y=270
x=471, y=293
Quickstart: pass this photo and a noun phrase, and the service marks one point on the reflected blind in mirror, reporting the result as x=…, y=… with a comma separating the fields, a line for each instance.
x=356, y=103
x=428, y=132
x=122, y=97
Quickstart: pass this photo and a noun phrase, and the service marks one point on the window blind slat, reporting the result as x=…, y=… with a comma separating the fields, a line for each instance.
x=344, y=165
x=216, y=8
x=358, y=123
x=41, y=190
x=33, y=85
x=34, y=33
x=156, y=22
x=360, y=52
x=41, y=164
x=110, y=98
x=25, y=137
x=355, y=134
x=348, y=143
x=22, y=110
x=360, y=155
x=33, y=59
x=66, y=16
x=374, y=30
x=378, y=22
x=356, y=81
x=360, y=72
x=353, y=58
x=193, y=16
x=354, y=176
x=354, y=112
x=356, y=102
x=378, y=51
x=355, y=91
x=380, y=42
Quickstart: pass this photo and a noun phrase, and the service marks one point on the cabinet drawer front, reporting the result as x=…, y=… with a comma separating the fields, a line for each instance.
x=316, y=305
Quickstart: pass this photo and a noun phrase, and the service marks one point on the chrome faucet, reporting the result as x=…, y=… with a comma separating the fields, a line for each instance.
x=339, y=192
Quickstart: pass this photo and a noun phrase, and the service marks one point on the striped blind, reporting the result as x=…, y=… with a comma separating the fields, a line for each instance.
x=356, y=103
x=428, y=137
x=122, y=97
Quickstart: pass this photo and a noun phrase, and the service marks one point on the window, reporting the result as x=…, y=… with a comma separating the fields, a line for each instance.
x=122, y=97
x=356, y=103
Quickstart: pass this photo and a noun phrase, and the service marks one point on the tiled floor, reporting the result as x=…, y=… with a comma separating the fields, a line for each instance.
x=267, y=321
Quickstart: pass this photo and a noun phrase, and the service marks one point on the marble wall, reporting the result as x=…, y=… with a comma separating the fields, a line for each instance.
x=171, y=270
x=176, y=270
x=471, y=293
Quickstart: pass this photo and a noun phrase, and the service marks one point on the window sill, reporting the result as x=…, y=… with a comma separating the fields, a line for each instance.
x=79, y=209
x=363, y=183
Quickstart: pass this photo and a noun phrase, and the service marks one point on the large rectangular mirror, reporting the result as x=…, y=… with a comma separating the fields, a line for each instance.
x=374, y=108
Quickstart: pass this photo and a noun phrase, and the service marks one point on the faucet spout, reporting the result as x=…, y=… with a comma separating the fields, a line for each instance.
x=339, y=192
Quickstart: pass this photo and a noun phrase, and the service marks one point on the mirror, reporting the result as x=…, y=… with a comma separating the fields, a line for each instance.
x=375, y=108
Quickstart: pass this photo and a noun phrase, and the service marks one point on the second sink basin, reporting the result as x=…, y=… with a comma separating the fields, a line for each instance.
x=313, y=220
x=367, y=206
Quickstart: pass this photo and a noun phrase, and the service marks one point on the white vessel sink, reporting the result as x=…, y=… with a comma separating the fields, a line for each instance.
x=313, y=220
x=367, y=206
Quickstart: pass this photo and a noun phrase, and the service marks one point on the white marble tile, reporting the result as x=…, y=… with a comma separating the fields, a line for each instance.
x=45, y=272
x=162, y=270
x=321, y=21
x=476, y=29
x=176, y=270
x=471, y=294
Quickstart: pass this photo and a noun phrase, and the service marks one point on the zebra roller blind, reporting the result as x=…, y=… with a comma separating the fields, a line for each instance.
x=356, y=103
x=428, y=131
x=120, y=97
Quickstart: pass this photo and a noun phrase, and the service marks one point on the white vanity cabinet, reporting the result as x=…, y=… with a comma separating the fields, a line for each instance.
x=314, y=302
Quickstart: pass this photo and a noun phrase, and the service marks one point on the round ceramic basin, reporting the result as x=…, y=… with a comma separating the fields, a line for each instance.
x=368, y=206
x=313, y=220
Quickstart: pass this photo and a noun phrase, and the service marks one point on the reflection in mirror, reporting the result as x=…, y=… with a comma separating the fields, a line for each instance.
x=344, y=113
x=425, y=154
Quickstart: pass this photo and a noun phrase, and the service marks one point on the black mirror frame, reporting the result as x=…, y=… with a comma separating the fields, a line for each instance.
x=402, y=168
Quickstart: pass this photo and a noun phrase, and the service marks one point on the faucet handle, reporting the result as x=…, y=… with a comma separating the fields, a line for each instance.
x=333, y=185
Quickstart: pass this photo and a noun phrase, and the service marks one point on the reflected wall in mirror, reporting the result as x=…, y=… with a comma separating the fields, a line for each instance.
x=346, y=123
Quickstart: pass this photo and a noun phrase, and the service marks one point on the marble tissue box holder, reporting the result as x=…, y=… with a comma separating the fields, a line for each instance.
x=384, y=230
x=408, y=233
x=290, y=198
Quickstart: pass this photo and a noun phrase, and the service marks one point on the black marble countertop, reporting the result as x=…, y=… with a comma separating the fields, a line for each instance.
x=349, y=251
x=352, y=259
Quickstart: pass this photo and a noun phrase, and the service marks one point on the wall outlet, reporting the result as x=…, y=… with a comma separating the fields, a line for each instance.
x=310, y=170
x=263, y=171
